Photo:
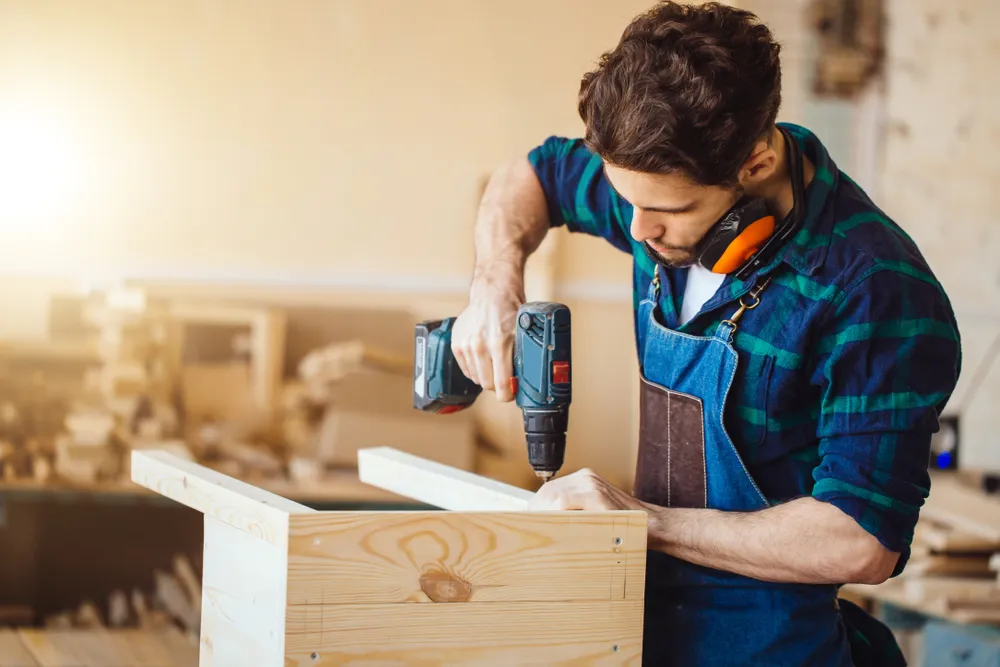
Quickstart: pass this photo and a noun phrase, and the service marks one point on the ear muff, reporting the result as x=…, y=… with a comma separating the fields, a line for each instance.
x=738, y=236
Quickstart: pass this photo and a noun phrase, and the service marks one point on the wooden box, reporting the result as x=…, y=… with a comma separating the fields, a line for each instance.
x=481, y=582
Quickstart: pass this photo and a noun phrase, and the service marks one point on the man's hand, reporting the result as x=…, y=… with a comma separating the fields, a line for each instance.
x=583, y=490
x=483, y=337
x=512, y=221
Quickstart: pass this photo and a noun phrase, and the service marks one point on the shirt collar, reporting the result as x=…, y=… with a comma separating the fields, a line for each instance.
x=807, y=249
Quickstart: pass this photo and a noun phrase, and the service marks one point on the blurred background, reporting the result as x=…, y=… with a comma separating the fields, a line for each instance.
x=220, y=220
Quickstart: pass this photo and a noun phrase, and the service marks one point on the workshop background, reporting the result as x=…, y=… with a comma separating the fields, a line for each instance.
x=220, y=220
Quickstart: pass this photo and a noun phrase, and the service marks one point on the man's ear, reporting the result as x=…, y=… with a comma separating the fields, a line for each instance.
x=761, y=164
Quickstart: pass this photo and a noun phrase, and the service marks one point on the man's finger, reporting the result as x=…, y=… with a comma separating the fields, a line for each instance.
x=484, y=367
x=503, y=368
x=463, y=364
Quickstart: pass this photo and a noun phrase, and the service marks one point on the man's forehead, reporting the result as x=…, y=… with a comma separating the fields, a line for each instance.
x=653, y=191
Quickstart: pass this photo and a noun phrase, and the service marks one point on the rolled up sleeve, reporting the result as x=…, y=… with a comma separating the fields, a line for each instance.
x=888, y=362
x=577, y=192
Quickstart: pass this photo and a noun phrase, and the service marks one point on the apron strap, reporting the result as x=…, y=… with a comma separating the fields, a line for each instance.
x=749, y=301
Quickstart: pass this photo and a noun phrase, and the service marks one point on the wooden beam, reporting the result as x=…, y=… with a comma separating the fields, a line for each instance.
x=436, y=484
x=465, y=557
x=243, y=599
x=495, y=634
x=243, y=506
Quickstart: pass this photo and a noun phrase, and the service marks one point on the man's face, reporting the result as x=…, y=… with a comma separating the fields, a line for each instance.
x=671, y=214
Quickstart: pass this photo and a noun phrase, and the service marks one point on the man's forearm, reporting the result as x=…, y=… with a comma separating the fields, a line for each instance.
x=803, y=541
x=512, y=221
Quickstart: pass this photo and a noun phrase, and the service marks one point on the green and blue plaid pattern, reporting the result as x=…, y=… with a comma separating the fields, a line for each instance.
x=845, y=365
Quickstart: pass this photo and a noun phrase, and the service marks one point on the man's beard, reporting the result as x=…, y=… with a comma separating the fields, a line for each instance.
x=690, y=257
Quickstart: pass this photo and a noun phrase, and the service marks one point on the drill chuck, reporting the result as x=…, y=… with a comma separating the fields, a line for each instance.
x=545, y=433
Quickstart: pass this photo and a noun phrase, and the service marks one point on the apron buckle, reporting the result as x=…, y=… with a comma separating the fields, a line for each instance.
x=754, y=294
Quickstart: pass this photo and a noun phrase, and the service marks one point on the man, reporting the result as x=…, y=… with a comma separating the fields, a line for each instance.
x=795, y=348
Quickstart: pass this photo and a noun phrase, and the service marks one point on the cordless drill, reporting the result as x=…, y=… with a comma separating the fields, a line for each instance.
x=541, y=380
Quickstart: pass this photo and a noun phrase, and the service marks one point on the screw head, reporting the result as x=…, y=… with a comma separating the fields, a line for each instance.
x=315, y=656
x=614, y=647
x=618, y=541
x=524, y=320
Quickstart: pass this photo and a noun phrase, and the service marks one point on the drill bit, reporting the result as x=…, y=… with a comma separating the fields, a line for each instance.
x=545, y=475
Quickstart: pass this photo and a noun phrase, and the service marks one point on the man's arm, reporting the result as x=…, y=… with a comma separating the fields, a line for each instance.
x=802, y=541
x=559, y=182
x=512, y=222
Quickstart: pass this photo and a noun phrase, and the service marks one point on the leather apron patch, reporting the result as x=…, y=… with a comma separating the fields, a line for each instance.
x=670, y=469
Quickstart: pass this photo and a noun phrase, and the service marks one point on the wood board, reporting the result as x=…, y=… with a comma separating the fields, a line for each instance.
x=438, y=485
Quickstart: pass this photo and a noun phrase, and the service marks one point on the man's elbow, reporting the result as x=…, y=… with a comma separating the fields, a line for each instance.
x=872, y=563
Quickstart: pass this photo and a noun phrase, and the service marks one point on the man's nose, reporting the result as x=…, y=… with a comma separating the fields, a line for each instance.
x=646, y=226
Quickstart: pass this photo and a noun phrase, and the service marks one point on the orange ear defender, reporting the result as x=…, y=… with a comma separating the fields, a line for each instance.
x=738, y=236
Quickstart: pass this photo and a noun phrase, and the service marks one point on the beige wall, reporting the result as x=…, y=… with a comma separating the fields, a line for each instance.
x=335, y=145
x=279, y=141
x=940, y=180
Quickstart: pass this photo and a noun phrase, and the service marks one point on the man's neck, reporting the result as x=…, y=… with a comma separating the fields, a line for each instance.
x=777, y=189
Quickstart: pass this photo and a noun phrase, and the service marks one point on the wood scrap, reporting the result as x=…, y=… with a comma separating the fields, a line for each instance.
x=60, y=620
x=118, y=611
x=170, y=595
x=189, y=580
x=963, y=508
x=949, y=564
x=335, y=361
x=304, y=470
x=941, y=537
x=88, y=616
x=141, y=608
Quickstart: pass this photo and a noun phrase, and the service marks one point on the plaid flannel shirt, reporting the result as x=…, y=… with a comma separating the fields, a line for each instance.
x=845, y=365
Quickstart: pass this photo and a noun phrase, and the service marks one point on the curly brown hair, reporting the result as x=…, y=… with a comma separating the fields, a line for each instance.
x=688, y=88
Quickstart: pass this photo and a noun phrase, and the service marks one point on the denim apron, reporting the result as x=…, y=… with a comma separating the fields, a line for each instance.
x=697, y=616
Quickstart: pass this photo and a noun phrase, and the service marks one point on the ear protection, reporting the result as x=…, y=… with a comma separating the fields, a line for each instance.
x=737, y=236
x=746, y=235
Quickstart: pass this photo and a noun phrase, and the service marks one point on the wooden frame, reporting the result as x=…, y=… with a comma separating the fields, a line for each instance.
x=286, y=585
x=267, y=341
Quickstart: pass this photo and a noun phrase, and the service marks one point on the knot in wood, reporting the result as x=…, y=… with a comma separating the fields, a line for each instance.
x=445, y=587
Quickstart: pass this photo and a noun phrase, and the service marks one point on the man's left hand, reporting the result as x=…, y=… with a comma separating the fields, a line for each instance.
x=583, y=490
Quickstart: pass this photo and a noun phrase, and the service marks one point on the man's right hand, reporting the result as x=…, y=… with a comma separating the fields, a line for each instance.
x=483, y=338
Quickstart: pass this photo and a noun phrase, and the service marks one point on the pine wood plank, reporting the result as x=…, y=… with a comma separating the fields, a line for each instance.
x=963, y=508
x=243, y=506
x=436, y=484
x=370, y=557
x=243, y=599
x=487, y=633
x=942, y=538
x=12, y=652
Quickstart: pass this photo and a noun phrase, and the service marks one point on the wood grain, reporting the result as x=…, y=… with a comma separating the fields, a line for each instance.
x=346, y=558
x=243, y=506
x=12, y=652
x=487, y=633
x=243, y=599
x=436, y=484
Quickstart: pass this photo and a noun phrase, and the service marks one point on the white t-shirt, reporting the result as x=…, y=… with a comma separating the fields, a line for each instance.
x=702, y=285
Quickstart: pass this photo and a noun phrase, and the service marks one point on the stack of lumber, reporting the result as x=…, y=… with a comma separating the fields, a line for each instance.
x=206, y=381
x=955, y=555
x=173, y=604
x=351, y=396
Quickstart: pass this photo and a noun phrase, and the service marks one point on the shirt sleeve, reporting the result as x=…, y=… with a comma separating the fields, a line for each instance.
x=888, y=361
x=578, y=193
